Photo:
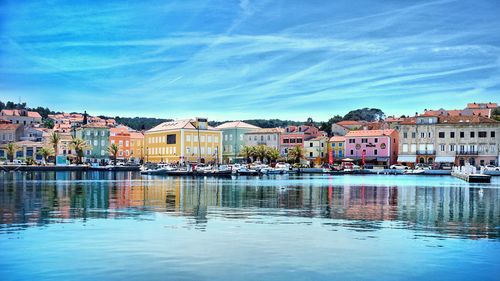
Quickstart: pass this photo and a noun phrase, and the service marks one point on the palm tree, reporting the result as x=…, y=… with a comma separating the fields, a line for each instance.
x=260, y=152
x=79, y=145
x=45, y=152
x=54, y=140
x=273, y=154
x=113, y=150
x=11, y=148
x=296, y=153
x=247, y=152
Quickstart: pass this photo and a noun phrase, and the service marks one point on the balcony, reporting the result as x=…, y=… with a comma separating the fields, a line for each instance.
x=426, y=152
x=467, y=152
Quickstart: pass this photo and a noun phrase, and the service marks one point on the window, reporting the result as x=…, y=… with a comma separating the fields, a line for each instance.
x=171, y=139
x=120, y=143
x=322, y=145
x=310, y=144
x=492, y=134
x=95, y=143
x=103, y=142
x=405, y=148
x=310, y=154
x=299, y=140
x=472, y=134
x=413, y=135
x=452, y=147
x=188, y=138
x=375, y=140
x=441, y=135
x=482, y=134
x=127, y=143
x=203, y=138
x=452, y=135
x=210, y=138
x=102, y=133
x=292, y=140
x=340, y=144
x=333, y=144
x=352, y=140
x=286, y=141
x=112, y=141
x=375, y=152
x=364, y=140
x=442, y=147
x=429, y=134
x=413, y=147
x=268, y=137
x=405, y=135
x=462, y=135
x=422, y=135
x=352, y=152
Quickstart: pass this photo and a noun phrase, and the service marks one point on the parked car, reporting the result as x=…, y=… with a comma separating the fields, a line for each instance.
x=491, y=168
x=18, y=162
x=420, y=166
x=399, y=167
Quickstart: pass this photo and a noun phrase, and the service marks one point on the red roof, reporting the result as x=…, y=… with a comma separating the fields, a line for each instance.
x=350, y=123
x=337, y=139
x=9, y=126
x=370, y=133
x=16, y=112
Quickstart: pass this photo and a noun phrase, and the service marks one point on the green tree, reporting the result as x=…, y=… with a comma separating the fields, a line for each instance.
x=113, y=150
x=46, y=152
x=260, y=152
x=79, y=145
x=365, y=114
x=54, y=140
x=247, y=152
x=273, y=154
x=327, y=126
x=11, y=149
x=296, y=153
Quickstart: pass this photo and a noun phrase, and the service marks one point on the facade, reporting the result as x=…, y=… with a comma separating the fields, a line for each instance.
x=21, y=116
x=378, y=146
x=455, y=140
x=188, y=140
x=351, y=124
x=97, y=136
x=316, y=149
x=233, y=139
x=10, y=133
x=336, y=146
x=339, y=130
x=121, y=137
x=296, y=135
x=137, y=147
x=269, y=137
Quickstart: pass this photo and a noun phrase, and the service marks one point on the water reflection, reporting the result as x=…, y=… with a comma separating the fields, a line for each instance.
x=36, y=199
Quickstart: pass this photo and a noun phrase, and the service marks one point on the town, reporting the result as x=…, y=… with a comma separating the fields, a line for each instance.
x=433, y=139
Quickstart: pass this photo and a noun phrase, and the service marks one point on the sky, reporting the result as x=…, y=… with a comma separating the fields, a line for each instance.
x=225, y=59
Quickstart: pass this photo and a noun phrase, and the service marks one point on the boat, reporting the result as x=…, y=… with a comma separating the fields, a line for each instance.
x=413, y=172
x=243, y=171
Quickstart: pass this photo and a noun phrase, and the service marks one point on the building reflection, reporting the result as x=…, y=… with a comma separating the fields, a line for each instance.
x=33, y=199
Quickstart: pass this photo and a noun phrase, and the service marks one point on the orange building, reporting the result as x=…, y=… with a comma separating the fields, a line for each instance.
x=121, y=137
x=137, y=146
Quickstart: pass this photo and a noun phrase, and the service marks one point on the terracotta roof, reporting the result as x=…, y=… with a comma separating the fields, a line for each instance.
x=267, y=131
x=369, y=133
x=318, y=138
x=490, y=105
x=9, y=126
x=95, y=125
x=16, y=112
x=176, y=125
x=136, y=135
x=350, y=123
x=337, y=139
x=237, y=124
x=465, y=119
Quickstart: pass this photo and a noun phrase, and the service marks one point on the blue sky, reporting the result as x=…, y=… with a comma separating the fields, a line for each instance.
x=249, y=59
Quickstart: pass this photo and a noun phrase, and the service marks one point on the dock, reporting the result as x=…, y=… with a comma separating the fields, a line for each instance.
x=470, y=174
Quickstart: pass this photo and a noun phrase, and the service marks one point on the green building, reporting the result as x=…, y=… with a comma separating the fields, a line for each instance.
x=97, y=136
x=233, y=134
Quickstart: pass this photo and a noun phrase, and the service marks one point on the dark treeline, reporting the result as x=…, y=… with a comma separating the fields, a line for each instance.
x=146, y=123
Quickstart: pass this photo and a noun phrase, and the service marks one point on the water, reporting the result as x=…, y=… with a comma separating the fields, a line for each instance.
x=123, y=226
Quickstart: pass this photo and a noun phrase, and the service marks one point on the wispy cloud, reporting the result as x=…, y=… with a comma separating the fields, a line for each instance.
x=250, y=58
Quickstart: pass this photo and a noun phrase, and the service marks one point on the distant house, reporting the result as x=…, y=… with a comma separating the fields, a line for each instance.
x=296, y=135
x=336, y=145
x=269, y=137
x=233, y=139
x=10, y=132
x=316, y=149
x=21, y=116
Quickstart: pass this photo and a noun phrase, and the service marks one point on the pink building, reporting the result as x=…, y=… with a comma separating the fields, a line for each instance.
x=378, y=146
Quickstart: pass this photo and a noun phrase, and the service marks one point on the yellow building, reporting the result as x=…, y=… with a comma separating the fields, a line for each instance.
x=336, y=146
x=189, y=140
x=137, y=146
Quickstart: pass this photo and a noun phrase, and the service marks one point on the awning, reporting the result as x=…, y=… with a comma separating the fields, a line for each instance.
x=407, y=158
x=382, y=159
x=445, y=159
